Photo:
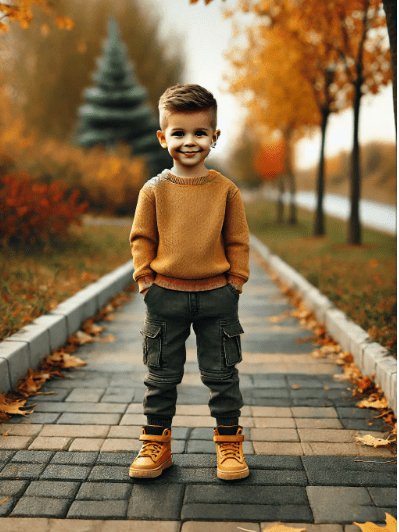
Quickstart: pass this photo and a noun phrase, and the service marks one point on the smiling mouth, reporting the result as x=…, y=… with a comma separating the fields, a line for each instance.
x=190, y=152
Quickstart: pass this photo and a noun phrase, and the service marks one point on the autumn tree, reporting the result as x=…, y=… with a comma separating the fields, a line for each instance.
x=49, y=69
x=281, y=94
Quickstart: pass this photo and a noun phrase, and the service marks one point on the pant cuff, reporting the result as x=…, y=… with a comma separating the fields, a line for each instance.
x=227, y=421
x=165, y=422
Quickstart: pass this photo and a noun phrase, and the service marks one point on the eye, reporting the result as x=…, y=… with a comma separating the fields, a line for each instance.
x=200, y=133
x=178, y=134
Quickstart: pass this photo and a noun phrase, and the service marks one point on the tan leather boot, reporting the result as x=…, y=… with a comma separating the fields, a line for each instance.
x=231, y=463
x=154, y=456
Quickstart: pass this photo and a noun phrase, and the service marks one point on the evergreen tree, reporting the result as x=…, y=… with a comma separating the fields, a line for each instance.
x=117, y=110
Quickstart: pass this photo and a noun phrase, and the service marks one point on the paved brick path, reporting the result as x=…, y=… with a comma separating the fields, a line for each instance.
x=67, y=468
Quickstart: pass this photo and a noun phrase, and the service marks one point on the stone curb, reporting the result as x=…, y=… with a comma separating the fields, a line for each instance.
x=27, y=347
x=369, y=356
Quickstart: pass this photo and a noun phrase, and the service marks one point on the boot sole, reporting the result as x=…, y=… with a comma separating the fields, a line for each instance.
x=150, y=473
x=232, y=476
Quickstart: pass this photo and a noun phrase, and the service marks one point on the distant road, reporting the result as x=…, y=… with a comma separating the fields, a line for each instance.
x=373, y=214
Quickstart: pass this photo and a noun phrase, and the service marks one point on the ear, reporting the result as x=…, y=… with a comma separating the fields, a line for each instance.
x=162, y=139
x=216, y=135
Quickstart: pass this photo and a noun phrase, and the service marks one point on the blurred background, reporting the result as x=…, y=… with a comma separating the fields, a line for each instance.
x=305, y=108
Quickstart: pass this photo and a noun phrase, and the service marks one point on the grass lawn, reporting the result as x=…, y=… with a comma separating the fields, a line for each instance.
x=360, y=280
x=35, y=281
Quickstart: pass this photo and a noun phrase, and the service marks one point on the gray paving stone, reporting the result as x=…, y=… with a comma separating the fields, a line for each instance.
x=7, y=506
x=74, y=458
x=272, y=393
x=275, y=462
x=57, y=396
x=65, y=472
x=109, y=473
x=363, y=424
x=96, y=491
x=119, y=459
x=145, y=500
x=32, y=457
x=98, y=510
x=201, y=446
x=315, y=403
x=383, y=496
x=5, y=456
x=48, y=408
x=299, y=411
x=116, y=395
x=351, y=412
x=37, y=418
x=195, y=460
x=206, y=433
x=41, y=507
x=178, y=475
x=246, y=512
x=50, y=488
x=243, y=494
x=342, y=505
x=13, y=488
x=86, y=395
x=89, y=419
x=22, y=471
x=267, y=401
x=344, y=471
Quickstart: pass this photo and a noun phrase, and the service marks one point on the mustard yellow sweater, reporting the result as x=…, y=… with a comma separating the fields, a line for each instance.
x=190, y=234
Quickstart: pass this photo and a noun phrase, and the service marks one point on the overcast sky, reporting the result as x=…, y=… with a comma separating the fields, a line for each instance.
x=206, y=35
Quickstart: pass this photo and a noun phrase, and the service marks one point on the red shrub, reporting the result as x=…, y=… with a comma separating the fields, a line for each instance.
x=32, y=212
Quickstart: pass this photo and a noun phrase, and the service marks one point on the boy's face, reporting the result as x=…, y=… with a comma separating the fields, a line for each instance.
x=188, y=137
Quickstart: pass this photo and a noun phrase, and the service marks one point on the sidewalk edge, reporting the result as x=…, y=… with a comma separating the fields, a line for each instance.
x=26, y=348
x=371, y=357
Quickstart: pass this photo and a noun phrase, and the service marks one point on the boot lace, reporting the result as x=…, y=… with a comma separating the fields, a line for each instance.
x=151, y=449
x=230, y=450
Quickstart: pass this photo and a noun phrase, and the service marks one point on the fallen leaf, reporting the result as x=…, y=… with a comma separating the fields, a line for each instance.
x=371, y=403
x=109, y=338
x=279, y=527
x=4, y=500
x=295, y=386
x=371, y=441
x=8, y=405
x=81, y=338
x=371, y=527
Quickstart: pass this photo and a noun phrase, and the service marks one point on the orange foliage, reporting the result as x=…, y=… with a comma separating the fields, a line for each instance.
x=36, y=213
x=269, y=160
x=21, y=11
x=109, y=181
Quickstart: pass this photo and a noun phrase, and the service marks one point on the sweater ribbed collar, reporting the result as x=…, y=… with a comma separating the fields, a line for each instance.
x=210, y=176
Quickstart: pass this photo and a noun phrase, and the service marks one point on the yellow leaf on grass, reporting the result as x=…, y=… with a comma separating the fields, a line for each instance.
x=371, y=527
x=371, y=441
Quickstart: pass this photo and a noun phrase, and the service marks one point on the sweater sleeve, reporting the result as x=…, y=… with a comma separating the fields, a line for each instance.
x=236, y=241
x=144, y=240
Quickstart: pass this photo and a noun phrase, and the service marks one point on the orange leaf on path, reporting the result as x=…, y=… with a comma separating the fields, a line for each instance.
x=371, y=527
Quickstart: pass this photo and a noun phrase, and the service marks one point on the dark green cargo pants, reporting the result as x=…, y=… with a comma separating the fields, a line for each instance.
x=214, y=316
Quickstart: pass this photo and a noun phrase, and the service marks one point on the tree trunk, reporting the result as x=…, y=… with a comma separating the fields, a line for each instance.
x=318, y=225
x=390, y=8
x=354, y=229
x=280, y=203
x=289, y=172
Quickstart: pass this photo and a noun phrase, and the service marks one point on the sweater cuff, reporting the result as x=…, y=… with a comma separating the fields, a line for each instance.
x=236, y=282
x=145, y=282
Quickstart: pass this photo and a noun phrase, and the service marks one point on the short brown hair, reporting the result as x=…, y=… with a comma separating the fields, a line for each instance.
x=189, y=97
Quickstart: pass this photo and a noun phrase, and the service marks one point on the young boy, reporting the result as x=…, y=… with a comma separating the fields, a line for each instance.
x=190, y=246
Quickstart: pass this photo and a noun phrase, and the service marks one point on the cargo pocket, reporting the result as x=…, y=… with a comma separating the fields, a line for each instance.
x=152, y=344
x=232, y=343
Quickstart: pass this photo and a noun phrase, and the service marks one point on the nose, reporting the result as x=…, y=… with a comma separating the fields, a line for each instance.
x=190, y=140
